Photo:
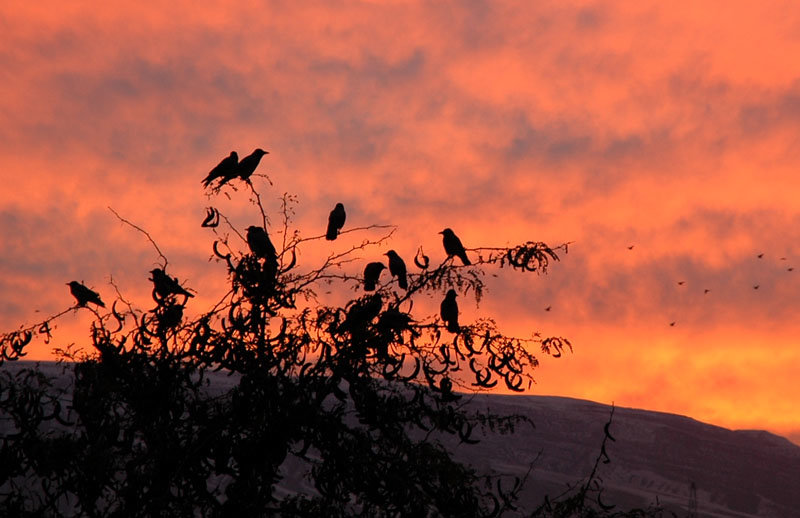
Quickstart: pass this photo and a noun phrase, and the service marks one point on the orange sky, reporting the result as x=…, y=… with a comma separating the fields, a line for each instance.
x=675, y=130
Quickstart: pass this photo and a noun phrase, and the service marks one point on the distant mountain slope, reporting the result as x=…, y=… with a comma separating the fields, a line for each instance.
x=656, y=456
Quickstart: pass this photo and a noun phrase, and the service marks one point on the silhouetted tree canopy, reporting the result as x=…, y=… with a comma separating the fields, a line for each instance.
x=359, y=397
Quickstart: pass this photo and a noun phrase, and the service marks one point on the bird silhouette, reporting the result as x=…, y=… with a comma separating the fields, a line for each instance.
x=705, y=291
x=226, y=170
x=372, y=273
x=672, y=324
x=756, y=287
x=84, y=295
x=630, y=247
x=760, y=256
x=453, y=246
x=790, y=269
x=681, y=283
x=260, y=244
x=249, y=163
x=164, y=285
x=449, y=311
x=548, y=308
x=397, y=267
x=335, y=222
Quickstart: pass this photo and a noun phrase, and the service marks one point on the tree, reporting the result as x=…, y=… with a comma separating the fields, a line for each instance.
x=358, y=396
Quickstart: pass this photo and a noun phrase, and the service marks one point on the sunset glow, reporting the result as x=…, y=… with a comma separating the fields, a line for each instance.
x=671, y=130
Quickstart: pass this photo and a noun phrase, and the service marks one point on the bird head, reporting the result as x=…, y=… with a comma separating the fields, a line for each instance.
x=260, y=152
x=451, y=293
x=446, y=232
x=252, y=228
x=390, y=253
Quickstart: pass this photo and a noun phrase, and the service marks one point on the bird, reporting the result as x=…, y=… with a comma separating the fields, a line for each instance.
x=681, y=283
x=372, y=273
x=449, y=311
x=164, y=285
x=226, y=170
x=84, y=295
x=672, y=324
x=453, y=246
x=397, y=267
x=548, y=308
x=760, y=256
x=705, y=291
x=335, y=222
x=756, y=287
x=630, y=247
x=790, y=269
x=249, y=164
x=260, y=244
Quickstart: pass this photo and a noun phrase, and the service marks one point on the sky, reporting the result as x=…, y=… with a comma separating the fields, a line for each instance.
x=671, y=129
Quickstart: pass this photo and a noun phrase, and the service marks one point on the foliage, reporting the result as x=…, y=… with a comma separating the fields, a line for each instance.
x=361, y=397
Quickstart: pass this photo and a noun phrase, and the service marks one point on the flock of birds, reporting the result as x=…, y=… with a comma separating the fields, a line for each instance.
x=261, y=246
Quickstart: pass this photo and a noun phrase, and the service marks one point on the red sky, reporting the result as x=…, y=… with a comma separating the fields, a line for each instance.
x=671, y=129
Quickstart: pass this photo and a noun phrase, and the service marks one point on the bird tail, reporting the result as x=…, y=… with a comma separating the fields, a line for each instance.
x=452, y=326
x=464, y=258
x=331, y=234
x=369, y=286
x=403, y=282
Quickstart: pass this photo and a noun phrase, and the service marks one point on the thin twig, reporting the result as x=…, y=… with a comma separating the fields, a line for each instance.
x=143, y=231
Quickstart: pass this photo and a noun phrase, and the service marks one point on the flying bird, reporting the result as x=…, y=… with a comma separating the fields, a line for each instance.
x=548, y=308
x=790, y=269
x=226, y=170
x=705, y=291
x=164, y=285
x=449, y=311
x=260, y=244
x=756, y=287
x=397, y=267
x=672, y=324
x=760, y=256
x=372, y=273
x=453, y=246
x=630, y=247
x=84, y=295
x=681, y=283
x=335, y=222
x=249, y=163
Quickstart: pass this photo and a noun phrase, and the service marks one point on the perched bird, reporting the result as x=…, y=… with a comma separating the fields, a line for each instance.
x=372, y=273
x=397, y=267
x=335, y=222
x=260, y=244
x=165, y=285
x=449, y=311
x=226, y=170
x=84, y=295
x=453, y=246
x=249, y=163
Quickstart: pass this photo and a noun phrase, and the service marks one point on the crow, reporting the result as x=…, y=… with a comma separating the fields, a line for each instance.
x=335, y=222
x=226, y=170
x=397, y=267
x=453, y=246
x=249, y=163
x=84, y=295
x=260, y=244
x=372, y=273
x=449, y=311
x=165, y=285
